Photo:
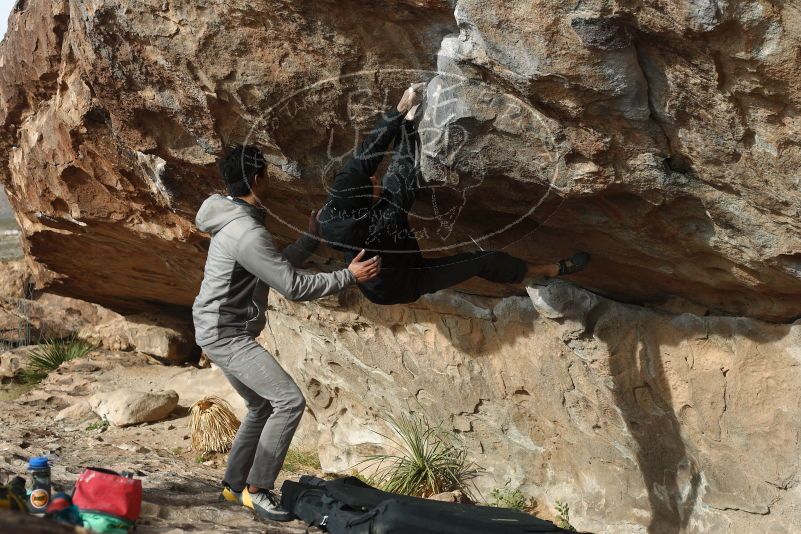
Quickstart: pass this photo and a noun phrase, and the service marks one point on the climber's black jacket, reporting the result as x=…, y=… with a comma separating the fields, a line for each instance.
x=350, y=221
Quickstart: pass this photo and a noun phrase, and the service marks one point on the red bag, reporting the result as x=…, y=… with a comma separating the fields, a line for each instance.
x=106, y=492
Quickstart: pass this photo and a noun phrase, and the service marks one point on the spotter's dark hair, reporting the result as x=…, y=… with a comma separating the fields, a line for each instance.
x=238, y=166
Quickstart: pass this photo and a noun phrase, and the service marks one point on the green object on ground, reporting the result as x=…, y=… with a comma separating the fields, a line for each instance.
x=105, y=524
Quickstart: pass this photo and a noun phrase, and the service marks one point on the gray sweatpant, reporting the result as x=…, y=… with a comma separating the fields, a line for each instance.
x=275, y=406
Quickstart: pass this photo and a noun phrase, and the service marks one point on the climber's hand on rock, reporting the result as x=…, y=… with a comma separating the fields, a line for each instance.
x=411, y=97
x=412, y=112
x=364, y=271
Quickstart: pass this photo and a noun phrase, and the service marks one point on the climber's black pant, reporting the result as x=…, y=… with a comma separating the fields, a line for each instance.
x=434, y=274
x=405, y=275
x=440, y=273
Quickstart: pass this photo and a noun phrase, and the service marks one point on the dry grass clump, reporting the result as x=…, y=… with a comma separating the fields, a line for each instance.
x=212, y=424
x=301, y=461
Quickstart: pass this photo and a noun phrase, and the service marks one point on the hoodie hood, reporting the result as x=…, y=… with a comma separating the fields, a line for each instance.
x=217, y=211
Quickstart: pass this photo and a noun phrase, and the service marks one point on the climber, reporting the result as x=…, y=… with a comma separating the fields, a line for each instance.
x=363, y=213
x=229, y=312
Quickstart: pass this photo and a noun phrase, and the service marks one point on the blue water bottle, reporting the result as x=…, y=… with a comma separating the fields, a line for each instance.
x=39, y=485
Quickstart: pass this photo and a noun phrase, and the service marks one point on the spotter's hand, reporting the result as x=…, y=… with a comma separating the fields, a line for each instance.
x=364, y=271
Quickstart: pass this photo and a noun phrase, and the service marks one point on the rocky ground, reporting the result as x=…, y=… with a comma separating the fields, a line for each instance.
x=181, y=486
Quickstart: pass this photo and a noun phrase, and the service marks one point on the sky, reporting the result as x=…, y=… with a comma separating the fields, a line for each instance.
x=5, y=9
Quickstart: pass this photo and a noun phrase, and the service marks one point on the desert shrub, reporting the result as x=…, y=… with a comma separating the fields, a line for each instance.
x=428, y=460
x=98, y=425
x=507, y=497
x=563, y=516
x=48, y=356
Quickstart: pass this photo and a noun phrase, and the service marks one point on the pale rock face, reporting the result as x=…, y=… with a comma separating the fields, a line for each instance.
x=450, y=496
x=124, y=407
x=194, y=384
x=76, y=413
x=638, y=419
x=13, y=276
x=170, y=340
x=161, y=336
x=12, y=362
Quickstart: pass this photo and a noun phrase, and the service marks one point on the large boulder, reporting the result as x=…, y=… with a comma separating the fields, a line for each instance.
x=661, y=142
x=124, y=407
x=165, y=337
x=141, y=109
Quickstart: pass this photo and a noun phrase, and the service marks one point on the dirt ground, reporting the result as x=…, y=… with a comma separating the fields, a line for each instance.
x=181, y=487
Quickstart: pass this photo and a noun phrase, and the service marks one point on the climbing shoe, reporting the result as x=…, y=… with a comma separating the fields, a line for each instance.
x=231, y=496
x=266, y=504
x=575, y=263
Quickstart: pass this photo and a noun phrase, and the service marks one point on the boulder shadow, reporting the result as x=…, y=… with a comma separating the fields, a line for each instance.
x=637, y=343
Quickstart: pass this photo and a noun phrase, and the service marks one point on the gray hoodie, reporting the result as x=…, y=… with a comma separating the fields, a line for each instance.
x=243, y=264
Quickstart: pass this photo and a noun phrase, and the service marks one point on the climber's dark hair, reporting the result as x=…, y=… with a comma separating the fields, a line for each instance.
x=238, y=166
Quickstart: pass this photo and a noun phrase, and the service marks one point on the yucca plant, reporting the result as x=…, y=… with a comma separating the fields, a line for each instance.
x=48, y=356
x=429, y=460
